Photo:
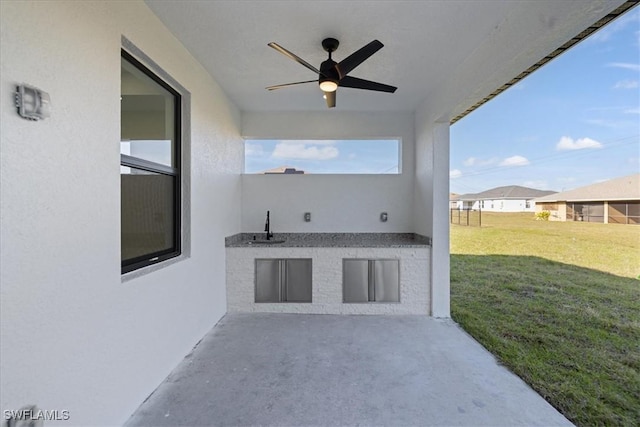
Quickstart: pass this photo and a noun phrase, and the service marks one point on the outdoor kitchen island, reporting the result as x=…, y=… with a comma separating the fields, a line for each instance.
x=329, y=273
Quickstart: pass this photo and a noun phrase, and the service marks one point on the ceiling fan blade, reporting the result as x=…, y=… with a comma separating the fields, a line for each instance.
x=331, y=98
x=290, y=84
x=357, y=58
x=293, y=56
x=357, y=83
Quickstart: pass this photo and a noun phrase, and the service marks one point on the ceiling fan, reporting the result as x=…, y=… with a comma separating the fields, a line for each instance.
x=333, y=74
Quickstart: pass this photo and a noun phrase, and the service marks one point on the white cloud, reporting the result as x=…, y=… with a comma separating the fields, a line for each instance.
x=625, y=65
x=515, y=161
x=455, y=173
x=470, y=161
x=568, y=143
x=632, y=111
x=253, y=149
x=626, y=84
x=299, y=150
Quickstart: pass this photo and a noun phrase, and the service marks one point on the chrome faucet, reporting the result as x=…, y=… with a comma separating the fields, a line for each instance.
x=267, y=228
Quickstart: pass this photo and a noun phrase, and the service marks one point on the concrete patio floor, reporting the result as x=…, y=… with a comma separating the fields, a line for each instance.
x=337, y=370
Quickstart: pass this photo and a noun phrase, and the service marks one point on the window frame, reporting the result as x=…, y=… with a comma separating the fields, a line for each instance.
x=149, y=166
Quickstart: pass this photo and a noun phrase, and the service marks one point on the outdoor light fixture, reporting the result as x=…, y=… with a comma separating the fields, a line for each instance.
x=33, y=103
x=328, y=85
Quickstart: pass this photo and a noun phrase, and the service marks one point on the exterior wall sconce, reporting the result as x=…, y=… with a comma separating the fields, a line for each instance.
x=32, y=103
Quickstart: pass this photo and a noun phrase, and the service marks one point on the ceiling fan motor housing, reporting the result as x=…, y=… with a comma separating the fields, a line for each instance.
x=329, y=72
x=328, y=68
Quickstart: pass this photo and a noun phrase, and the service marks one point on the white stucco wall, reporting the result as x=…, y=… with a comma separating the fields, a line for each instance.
x=431, y=203
x=340, y=203
x=498, y=205
x=509, y=205
x=75, y=336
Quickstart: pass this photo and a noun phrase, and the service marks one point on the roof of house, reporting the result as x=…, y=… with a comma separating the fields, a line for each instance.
x=283, y=170
x=623, y=188
x=506, y=192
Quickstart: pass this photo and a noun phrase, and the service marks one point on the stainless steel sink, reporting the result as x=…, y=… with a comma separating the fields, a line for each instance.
x=265, y=242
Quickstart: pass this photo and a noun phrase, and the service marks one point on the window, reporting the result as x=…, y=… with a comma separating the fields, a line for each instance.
x=588, y=212
x=624, y=212
x=528, y=204
x=149, y=167
x=374, y=156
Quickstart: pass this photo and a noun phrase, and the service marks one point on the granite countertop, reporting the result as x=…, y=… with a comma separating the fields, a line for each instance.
x=336, y=240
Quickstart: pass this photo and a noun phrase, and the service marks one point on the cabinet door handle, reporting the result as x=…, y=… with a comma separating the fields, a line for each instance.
x=372, y=281
x=283, y=280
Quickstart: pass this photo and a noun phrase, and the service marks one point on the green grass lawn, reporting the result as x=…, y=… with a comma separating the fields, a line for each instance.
x=559, y=305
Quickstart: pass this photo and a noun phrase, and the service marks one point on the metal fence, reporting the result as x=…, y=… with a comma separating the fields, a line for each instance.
x=470, y=217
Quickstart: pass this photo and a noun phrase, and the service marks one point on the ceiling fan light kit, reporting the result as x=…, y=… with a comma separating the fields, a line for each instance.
x=333, y=74
x=328, y=85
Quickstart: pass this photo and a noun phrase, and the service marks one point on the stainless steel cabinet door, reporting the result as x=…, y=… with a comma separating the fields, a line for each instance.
x=283, y=280
x=297, y=285
x=355, y=280
x=371, y=280
x=268, y=278
x=386, y=280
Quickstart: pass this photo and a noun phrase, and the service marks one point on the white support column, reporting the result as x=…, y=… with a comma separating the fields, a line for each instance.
x=440, y=264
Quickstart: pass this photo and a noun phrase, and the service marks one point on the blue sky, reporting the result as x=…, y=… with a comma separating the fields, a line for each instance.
x=573, y=122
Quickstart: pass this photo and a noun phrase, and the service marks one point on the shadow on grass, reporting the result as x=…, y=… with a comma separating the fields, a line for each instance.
x=572, y=333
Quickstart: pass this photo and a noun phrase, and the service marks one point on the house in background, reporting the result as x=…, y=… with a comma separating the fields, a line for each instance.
x=283, y=170
x=79, y=333
x=453, y=200
x=510, y=198
x=616, y=201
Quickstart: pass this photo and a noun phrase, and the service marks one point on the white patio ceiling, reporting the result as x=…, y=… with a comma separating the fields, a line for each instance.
x=444, y=55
